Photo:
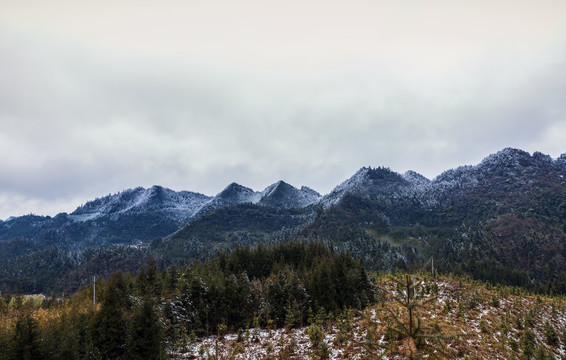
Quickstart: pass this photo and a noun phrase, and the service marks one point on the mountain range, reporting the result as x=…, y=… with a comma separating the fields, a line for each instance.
x=505, y=216
x=138, y=215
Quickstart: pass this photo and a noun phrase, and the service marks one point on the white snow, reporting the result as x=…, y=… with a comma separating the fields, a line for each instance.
x=177, y=205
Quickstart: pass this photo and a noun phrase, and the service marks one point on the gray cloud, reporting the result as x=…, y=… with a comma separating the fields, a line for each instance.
x=81, y=119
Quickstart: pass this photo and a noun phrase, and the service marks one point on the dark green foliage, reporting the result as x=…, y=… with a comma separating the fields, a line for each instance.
x=513, y=344
x=68, y=338
x=319, y=347
x=316, y=335
x=145, y=339
x=278, y=284
x=347, y=219
x=148, y=282
x=550, y=335
x=228, y=227
x=277, y=296
x=4, y=343
x=542, y=354
x=25, y=343
x=528, y=343
x=109, y=324
x=55, y=271
x=264, y=286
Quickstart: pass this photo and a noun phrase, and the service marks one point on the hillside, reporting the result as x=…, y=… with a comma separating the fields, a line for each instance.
x=452, y=318
x=151, y=314
x=231, y=226
x=126, y=218
x=502, y=220
x=469, y=320
x=135, y=216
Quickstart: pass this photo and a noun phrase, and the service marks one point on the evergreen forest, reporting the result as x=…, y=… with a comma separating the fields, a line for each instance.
x=151, y=314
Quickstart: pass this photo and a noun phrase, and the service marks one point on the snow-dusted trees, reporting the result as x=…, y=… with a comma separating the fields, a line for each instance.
x=277, y=285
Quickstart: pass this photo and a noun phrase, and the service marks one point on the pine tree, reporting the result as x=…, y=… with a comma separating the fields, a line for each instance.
x=146, y=335
x=25, y=344
x=550, y=334
x=109, y=324
x=528, y=343
x=410, y=335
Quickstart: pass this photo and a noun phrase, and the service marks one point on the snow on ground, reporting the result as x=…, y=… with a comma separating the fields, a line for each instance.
x=489, y=319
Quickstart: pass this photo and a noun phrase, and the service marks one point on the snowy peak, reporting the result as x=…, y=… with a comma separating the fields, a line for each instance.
x=354, y=183
x=509, y=163
x=515, y=161
x=311, y=192
x=179, y=205
x=109, y=204
x=284, y=195
x=508, y=159
x=415, y=178
x=280, y=186
x=233, y=194
x=236, y=194
x=368, y=182
x=279, y=194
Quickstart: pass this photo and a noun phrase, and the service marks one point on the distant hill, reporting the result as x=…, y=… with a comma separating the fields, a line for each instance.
x=502, y=220
x=134, y=216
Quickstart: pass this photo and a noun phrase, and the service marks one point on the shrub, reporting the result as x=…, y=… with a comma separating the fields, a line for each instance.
x=550, y=334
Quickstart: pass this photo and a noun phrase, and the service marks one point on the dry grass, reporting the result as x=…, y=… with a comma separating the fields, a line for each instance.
x=493, y=320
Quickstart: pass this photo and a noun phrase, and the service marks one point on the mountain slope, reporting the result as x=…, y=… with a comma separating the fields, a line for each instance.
x=463, y=321
x=287, y=196
x=177, y=205
x=135, y=215
x=225, y=228
x=510, y=181
x=127, y=217
x=505, y=215
x=280, y=195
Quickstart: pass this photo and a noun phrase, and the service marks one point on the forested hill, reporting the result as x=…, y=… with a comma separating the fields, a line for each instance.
x=502, y=220
x=288, y=301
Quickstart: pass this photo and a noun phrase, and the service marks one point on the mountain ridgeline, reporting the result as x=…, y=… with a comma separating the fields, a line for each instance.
x=502, y=220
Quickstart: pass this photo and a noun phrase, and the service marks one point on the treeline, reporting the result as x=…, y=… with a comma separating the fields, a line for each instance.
x=157, y=312
x=280, y=285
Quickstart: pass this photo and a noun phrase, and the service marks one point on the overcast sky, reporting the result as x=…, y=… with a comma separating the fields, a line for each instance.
x=100, y=96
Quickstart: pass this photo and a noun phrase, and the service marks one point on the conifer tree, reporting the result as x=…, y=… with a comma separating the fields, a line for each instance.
x=109, y=324
x=528, y=343
x=550, y=334
x=146, y=335
x=410, y=335
x=25, y=344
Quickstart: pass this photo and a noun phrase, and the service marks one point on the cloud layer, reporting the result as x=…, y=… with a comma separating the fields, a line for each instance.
x=194, y=95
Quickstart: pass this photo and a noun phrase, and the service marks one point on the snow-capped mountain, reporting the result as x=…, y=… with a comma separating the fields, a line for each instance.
x=284, y=195
x=279, y=194
x=231, y=195
x=377, y=183
x=127, y=217
x=415, y=178
x=515, y=201
x=179, y=206
x=501, y=176
x=138, y=214
x=142, y=214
